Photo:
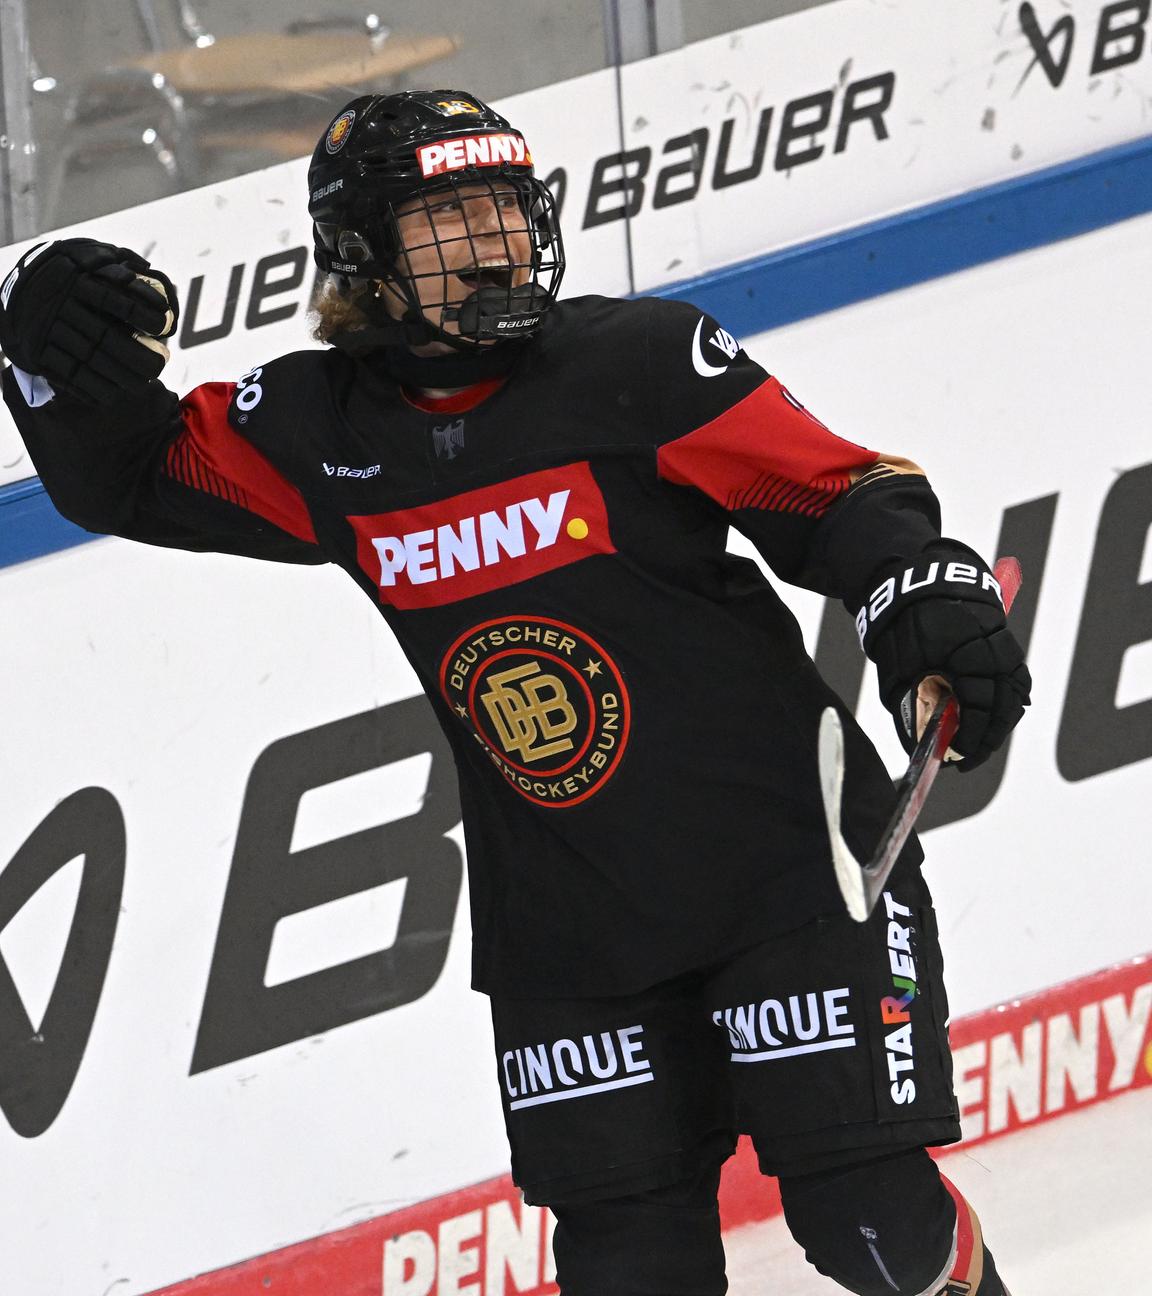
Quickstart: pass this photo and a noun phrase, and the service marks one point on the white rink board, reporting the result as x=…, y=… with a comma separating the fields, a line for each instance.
x=162, y=676
x=969, y=107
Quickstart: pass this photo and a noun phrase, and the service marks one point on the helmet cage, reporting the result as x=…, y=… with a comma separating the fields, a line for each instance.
x=463, y=219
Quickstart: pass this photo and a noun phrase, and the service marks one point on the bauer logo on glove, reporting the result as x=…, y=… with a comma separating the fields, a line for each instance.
x=87, y=317
x=937, y=623
x=932, y=576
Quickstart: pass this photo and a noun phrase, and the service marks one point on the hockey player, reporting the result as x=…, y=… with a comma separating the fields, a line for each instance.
x=536, y=495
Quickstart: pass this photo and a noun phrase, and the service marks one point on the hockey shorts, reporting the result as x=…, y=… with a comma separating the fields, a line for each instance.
x=827, y=1045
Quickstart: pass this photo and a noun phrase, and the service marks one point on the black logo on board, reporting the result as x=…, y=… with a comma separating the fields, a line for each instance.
x=269, y=881
x=1120, y=39
x=1051, y=50
x=39, y=1062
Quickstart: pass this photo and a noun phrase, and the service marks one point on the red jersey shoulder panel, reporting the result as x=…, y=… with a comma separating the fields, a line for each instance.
x=209, y=455
x=765, y=452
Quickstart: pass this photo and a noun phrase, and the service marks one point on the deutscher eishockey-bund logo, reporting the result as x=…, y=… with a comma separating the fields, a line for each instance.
x=544, y=700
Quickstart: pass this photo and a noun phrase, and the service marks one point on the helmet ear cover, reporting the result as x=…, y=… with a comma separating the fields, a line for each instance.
x=353, y=246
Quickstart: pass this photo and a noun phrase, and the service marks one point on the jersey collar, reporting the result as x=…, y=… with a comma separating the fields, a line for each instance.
x=458, y=403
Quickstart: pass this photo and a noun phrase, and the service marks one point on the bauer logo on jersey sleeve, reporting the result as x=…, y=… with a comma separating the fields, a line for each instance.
x=544, y=700
x=485, y=539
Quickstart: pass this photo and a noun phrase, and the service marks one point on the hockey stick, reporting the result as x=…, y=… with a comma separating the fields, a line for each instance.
x=861, y=884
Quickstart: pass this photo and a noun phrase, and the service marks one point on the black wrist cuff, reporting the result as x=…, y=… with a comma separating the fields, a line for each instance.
x=945, y=569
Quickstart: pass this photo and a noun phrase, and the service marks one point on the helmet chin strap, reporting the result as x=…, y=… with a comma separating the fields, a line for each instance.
x=389, y=340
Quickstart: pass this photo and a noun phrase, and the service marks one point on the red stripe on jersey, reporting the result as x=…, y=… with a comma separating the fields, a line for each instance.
x=210, y=456
x=765, y=452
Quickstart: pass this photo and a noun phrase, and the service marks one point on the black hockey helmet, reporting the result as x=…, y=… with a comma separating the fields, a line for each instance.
x=384, y=156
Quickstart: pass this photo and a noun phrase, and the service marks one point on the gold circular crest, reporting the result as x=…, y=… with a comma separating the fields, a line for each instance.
x=338, y=131
x=545, y=701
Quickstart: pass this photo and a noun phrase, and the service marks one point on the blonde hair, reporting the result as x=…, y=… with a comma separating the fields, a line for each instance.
x=334, y=312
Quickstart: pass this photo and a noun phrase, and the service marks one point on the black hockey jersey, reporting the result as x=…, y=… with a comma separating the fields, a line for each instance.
x=631, y=708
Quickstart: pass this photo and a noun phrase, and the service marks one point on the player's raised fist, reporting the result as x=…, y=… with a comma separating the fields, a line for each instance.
x=87, y=317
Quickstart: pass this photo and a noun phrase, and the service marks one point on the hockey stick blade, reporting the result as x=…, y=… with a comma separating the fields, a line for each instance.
x=861, y=884
x=849, y=874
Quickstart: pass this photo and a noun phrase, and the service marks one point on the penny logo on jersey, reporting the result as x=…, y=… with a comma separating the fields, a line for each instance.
x=484, y=539
x=545, y=701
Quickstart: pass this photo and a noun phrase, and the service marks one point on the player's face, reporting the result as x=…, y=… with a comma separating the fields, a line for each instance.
x=459, y=241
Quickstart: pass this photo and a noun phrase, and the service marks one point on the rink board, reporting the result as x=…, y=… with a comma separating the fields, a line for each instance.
x=232, y=1074
x=307, y=1109
x=1018, y=1064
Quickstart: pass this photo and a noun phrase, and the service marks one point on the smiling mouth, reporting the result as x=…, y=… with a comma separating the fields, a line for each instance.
x=493, y=272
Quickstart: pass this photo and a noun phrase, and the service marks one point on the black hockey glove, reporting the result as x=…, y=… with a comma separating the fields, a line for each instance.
x=86, y=316
x=941, y=614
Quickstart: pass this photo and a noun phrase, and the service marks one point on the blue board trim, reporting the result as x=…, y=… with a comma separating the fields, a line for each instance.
x=939, y=239
x=811, y=278
x=30, y=527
